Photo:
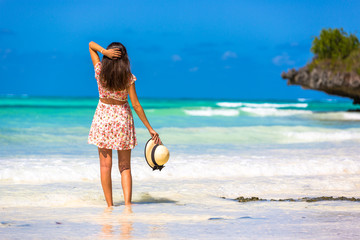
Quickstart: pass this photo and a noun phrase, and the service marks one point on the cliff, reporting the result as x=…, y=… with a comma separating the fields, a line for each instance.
x=340, y=83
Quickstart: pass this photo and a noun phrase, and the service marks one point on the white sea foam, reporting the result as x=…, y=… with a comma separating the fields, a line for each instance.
x=340, y=116
x=208, y=112
x=230, y=104
x=187, y=166
x=261, y=105
x=276, y=105
x=351, y=116
x=47, y=171
x=222, y=167
x=264, y=112
x=258, y=111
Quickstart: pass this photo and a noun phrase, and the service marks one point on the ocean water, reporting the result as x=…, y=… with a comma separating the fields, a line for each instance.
x=220, y=150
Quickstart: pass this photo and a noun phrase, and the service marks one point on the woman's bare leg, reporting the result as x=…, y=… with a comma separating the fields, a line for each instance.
x=105, y=156
x=125, y=171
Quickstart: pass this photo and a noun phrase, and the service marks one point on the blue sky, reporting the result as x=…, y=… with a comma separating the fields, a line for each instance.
x=178, y=49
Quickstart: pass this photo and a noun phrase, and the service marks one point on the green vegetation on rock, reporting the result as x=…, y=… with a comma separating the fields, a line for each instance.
x=337, y=51
x=334, y=44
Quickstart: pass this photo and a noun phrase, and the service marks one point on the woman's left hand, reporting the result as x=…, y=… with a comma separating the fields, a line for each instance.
x=155, y=137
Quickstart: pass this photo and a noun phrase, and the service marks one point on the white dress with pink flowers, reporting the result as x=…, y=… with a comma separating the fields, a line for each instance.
x=113, y=125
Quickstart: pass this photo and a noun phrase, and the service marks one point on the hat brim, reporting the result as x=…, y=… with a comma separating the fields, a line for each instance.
x=147, y=152
x=151, y=154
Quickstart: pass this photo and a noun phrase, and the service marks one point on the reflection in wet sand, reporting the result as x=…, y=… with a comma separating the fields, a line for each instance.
x=126, y=226
x=110, y=224
x=107, y=229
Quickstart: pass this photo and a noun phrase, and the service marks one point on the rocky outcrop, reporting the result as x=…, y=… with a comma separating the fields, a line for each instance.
x=344, y=84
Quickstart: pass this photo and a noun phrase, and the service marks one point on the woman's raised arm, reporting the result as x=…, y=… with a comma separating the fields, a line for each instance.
x=94, y=48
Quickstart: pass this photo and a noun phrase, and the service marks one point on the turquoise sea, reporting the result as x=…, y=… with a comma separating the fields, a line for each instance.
x=220, y=150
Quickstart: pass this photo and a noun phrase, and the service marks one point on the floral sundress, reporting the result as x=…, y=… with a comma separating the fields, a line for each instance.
x=113, y=125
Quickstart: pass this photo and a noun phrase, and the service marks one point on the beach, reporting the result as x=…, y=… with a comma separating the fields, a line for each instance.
x=220, y=150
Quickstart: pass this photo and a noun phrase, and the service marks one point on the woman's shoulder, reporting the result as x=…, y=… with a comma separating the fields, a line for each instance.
x=132, y=79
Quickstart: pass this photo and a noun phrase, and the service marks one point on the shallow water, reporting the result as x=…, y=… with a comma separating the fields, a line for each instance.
x=220, y=150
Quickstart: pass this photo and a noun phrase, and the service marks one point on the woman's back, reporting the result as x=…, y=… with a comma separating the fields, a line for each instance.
x=120, y=95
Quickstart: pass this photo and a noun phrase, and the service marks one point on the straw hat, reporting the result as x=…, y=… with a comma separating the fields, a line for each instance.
x=156, y=155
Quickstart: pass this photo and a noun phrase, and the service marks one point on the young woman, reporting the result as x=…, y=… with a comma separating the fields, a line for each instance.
x=113, y=124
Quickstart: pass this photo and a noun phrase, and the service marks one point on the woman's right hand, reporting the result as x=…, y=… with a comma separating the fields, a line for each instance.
x=155, y=137
x=112, y=53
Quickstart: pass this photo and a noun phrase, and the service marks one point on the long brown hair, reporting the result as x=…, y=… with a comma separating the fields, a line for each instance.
x=115, y=73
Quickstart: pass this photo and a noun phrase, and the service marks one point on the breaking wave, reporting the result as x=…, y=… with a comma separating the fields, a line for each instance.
x=261, y=105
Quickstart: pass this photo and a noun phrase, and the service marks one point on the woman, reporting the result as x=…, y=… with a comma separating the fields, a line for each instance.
x=113, y=123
